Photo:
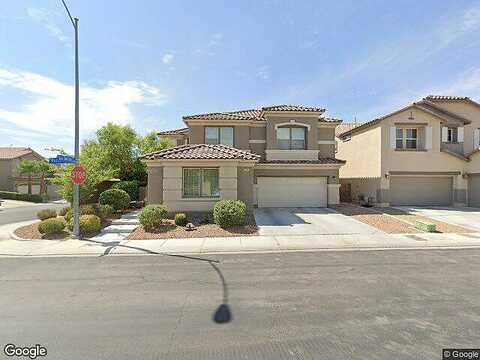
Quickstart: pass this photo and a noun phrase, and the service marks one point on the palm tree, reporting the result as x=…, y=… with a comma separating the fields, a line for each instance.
x=28, y=167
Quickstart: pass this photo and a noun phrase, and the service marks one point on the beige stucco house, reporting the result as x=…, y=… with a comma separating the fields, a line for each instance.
x=423, y=154
x=277, y=156
x=10, y=179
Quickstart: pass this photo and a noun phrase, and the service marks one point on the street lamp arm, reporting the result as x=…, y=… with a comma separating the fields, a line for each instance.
x=69, y=15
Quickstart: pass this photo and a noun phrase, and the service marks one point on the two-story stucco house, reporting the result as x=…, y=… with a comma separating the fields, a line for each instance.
x=277, y=156
x=10, y=179
x=423, y=154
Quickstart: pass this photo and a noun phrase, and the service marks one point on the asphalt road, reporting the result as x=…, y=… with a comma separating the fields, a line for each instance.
x=24, y=213
x=324, y=305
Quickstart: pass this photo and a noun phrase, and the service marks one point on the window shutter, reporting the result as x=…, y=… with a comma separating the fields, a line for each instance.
x=428, y=138
x=476, y=138
x=460, y=135
x=393, y=137
x=444, y=134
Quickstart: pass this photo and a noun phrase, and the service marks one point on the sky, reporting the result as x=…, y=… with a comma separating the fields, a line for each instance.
x=147, y=63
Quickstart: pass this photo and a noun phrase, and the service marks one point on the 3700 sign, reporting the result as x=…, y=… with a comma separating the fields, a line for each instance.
x=78, y=175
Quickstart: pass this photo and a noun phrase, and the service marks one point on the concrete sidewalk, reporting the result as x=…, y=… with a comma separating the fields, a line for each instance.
x=243, y=244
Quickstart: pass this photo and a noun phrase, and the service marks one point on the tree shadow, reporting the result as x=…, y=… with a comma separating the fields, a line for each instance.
x=222, y=314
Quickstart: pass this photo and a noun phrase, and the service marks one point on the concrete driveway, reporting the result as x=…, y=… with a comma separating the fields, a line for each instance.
x=466, y=217
x=308, y=221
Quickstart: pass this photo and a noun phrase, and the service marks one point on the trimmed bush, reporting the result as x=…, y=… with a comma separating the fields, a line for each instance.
x=180, y=219
x=152, y=216
x=88, y=209
x=46, y=214
x=10, y=195
x=105, y=211
x=130, y=187
x=63, y=211
x=68, y=215
x=88, y=224
x=51, y=226
x=228, y=213
x=119, y=199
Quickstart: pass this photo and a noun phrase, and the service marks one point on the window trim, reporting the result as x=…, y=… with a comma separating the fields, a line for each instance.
x=219, y=133
x=405, y=138
x=290, y=127
x=200, y=196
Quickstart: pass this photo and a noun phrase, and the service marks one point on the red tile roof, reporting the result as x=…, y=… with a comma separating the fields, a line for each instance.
x=446, y=97
x=7, y=153
x=325, y=161
x=255, y=114
x=423, y=104
x=201, y=152
x=174, y=132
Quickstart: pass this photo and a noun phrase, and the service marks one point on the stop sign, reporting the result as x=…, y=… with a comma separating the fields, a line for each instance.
x=78, y=175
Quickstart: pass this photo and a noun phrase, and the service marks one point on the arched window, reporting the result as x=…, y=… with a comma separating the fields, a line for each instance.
x=292, y=138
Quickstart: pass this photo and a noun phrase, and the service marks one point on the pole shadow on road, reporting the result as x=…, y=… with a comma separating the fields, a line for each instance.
x=222, y=314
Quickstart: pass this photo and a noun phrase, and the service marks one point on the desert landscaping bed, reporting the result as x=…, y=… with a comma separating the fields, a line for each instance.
x=371, y=217
x=442, y=227
x=31, y=232
x=203, y=228
x=394, y=221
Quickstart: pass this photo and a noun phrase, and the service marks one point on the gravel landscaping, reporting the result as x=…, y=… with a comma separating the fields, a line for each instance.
x=31, y=232
x=371, y=217
x=394, y=221
x=203, y=228
x=442, y=227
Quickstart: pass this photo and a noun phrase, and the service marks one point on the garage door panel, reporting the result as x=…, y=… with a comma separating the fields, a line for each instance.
x=428, y=191
x=292, y=191
x=474, y=190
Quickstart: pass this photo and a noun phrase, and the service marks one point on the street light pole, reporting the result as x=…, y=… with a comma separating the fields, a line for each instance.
x=76, y=188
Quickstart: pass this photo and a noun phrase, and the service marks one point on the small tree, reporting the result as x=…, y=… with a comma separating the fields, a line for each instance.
x=152, y=142
x=27, y=167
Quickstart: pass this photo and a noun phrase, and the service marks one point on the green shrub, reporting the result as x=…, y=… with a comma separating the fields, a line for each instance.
x=51, y=226
x=152, y=216
x=119, y=199
x=180, y=219
x=46, y=214
x=10, y=195
x=227, y=213
x=105, y=211
x=64, y=210
x=88, y=209
x=68, y=215
x=130, y=187
x=88, y=224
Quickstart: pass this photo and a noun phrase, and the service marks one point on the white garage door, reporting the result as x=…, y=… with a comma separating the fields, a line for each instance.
x=426, y=191
x=292, y=191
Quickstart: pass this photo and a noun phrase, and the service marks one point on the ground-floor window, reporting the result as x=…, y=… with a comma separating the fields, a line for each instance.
x=200, y=182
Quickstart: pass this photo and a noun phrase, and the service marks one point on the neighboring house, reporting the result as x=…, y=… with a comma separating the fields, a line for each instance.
x=270, y=157
x=423, y=154
x=10, y=179
x=177, y=136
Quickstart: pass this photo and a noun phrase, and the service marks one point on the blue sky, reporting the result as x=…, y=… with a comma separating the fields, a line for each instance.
x=148, y=62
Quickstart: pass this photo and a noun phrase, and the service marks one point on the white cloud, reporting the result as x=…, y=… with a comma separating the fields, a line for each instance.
x=167, y=59
x=50, y=106
x=215, y=39
x=263, y=72
x=45, y=18
x=458, y=26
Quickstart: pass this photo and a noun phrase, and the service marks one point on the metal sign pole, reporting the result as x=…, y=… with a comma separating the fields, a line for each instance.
x=76, y=188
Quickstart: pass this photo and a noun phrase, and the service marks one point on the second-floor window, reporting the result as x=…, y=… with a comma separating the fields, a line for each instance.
x=406, y=138
x=452, y=135
x=291, y=138
x=219, y=135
